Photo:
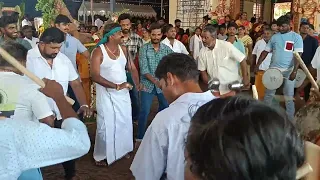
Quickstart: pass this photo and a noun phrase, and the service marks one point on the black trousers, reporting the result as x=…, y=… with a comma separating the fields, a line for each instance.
x=69, y=166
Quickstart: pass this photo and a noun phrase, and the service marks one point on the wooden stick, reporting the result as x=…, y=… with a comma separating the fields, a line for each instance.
x=306, y=70
x=21, y=68
x=255, y=92
x=303, y=171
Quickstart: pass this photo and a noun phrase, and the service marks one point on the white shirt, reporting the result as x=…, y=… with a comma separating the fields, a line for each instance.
x=257, y=50
x=162, y=148
x=27, y=145
x=62, y=71
x=33, y=42
x=221, y=63
x=23, y=98
x=316, y=62
x=26, y=23
x=177, y=47
x=98, y=23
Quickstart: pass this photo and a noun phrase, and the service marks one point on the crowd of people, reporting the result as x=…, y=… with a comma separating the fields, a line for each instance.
x=192, y=136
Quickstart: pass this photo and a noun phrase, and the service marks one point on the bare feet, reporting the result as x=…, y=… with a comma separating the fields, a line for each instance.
x=101, y=163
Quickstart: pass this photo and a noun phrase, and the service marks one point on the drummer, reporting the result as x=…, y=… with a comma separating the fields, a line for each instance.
x=219, y=60
x=283, y=45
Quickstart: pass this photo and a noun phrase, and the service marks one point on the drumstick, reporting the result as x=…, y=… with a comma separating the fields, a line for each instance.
x=303, y=171
x=255, y=92
x=21, y=68
x=306, y=70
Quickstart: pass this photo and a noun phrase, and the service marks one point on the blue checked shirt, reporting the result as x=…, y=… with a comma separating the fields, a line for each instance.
x=148, y=62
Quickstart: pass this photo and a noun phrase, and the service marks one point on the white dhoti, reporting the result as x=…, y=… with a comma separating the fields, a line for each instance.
x=114, y=125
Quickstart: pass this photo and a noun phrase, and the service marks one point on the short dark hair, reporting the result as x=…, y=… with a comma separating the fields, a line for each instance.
x=168, y=27
x=267, y=29
x=6, y=20
x=274, y=22
x=311, y=26
x=154, y=26
x=197, y=29
x=283, y=20
x=222, y=26
x=232, y=24
x=180, y=65
x=245, y=139
x=123, y=17
x=177, y=21
x=211, y=29
x=161, y=18
x=109, y=27
x=26, y=27
x=96, y=27
x=62, y=19
x=52, y=35
x=304, y=24
x=16, y=50
x=242, y=27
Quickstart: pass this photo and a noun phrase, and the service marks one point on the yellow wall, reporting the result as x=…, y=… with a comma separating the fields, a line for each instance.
x=267, y=12
x=172, y=10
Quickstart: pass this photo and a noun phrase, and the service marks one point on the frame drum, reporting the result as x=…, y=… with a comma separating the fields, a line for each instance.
x=272, y=79
x=300, y=77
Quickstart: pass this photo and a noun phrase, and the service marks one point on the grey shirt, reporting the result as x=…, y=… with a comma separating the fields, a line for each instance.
x=23, y=42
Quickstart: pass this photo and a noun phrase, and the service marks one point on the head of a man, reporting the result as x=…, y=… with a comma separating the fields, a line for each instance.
x=232, y=29
x=245, y=138
x=161, y=21
x=50, y=42
x=241, y=30
x=177, y=72
x=244, y=16
x=222, y=29
x=198, y=31
x=155, y=33
x=8, y=26
x=27, y=31
x=267, y=34
x=177, y=23
x=284, y=24
x=16, y=50
x=171, y=31
x=205, y=19
x=304, y=28
x=274, y=26
x=125, y=23
x=209, y=36
x=82, y=28
x=227, y=19
x=115, y=33
x=93, y=29
x=63, y=23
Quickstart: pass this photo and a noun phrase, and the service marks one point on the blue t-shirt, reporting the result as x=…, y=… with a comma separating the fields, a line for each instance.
x=282, y=47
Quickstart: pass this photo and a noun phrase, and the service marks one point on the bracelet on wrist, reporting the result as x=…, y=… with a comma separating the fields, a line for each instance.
x=84, y=105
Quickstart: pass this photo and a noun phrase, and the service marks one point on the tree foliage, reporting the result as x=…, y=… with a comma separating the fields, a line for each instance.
x=49, y=13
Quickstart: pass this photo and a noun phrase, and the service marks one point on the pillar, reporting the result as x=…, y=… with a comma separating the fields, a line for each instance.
x=172, y=10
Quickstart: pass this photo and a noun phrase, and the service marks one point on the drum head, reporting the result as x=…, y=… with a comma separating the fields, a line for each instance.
x=272, y=79
x=300, y=77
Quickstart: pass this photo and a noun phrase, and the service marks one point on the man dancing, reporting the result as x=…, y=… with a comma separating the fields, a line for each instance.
x=114, y=121
x=46, y=61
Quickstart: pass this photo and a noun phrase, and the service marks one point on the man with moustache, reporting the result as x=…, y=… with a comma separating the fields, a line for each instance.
x=47, y=61
x=150, y=56
x=171, y=41
x=8, y=27
x=70, y=47
x=219, y=60
x=133, y=42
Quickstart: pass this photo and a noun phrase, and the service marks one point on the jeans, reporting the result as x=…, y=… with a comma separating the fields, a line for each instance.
x=146, y=103
x=69, y=166
x=134, y=98
x=31, y=174
x=288, y=92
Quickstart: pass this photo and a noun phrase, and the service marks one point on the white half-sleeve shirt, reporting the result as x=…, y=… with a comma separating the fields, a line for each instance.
x=62, y=71
x=222, y=63
x=162, y=148
x=23, y=98
x=259, y=47
x=178, y=46
x=27, y=145
x=315, y=63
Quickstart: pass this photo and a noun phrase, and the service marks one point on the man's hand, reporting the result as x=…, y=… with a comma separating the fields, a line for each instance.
x=293, y=76
x=52, y=89
x=125, y=85
x=157, y=83
x=315, y=92
x=256, y=68
x=246, y=83
x=140, y=87
x=85, y=110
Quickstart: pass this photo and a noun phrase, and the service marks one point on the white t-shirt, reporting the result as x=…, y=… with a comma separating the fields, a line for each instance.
x=178, y=47
x=62, y=71
x=21, y=98
x=316, y=62
x=221, y=63
x=33, y=42
x=257, y=50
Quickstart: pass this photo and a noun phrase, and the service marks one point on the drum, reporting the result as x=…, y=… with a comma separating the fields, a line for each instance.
x=272, y=79
x=300, y=77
